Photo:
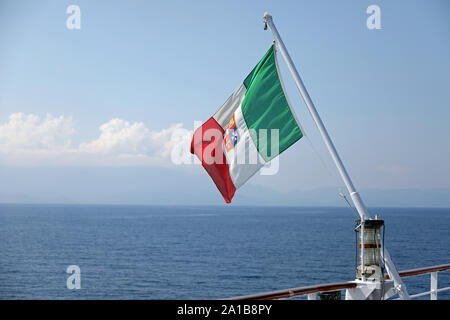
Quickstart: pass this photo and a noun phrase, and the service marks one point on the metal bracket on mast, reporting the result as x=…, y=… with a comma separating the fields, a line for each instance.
x=357, y=201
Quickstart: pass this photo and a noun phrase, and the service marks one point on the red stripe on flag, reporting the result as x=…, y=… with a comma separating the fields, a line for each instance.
x=205, y=147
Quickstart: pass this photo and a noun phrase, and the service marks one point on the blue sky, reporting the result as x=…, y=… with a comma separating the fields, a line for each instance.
x=383, y=94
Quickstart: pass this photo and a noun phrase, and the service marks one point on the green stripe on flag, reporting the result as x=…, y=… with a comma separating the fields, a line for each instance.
x=265, y=107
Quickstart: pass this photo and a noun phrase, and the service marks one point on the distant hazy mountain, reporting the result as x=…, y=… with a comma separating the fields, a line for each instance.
x=172, y=187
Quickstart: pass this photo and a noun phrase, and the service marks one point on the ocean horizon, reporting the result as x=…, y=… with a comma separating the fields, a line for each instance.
x=201, y=252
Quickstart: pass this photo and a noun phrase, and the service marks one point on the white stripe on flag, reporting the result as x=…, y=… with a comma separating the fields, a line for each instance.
x=223, y=115
x=244, y=159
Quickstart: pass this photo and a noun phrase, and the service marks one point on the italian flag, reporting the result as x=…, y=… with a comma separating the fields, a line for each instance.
x=252, y=127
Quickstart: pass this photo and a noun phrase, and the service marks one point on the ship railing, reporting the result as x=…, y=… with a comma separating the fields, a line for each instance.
x=313, y=291
x=433, y=271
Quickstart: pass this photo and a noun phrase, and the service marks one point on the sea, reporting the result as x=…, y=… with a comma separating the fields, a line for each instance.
x=201, y=252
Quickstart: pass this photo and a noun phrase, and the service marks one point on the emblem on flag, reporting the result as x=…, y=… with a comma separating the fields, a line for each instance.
x=231, y=135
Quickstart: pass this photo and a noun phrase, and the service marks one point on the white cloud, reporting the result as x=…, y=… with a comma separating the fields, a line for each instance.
x=28, y=132
x=27, y=139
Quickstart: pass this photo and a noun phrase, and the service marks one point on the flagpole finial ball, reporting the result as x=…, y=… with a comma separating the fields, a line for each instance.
x=267, y=16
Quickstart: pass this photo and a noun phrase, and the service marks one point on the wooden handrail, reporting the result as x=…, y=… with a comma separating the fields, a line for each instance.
x=299, y=291
x=418, y=271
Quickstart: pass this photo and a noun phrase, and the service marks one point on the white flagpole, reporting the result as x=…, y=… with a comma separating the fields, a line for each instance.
x=360, y=207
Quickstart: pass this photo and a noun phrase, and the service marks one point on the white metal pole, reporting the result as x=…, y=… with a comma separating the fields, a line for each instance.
x=360, y=207
x=318, y=121
x=434, y=286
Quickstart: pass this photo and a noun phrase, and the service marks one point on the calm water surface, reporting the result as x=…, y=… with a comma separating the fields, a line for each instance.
x=150, y=252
